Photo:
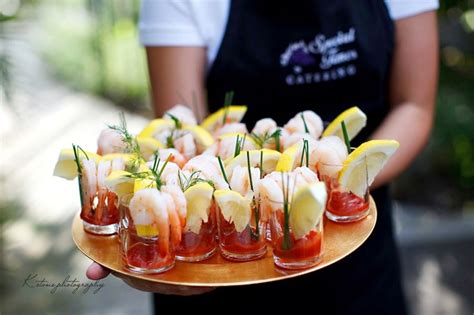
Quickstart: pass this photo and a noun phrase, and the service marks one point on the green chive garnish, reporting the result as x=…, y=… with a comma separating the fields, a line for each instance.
x=223, y=171
x=346, y=137
x=304, y=123
x=248, y=168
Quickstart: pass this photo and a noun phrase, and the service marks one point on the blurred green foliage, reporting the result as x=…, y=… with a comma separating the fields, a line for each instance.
x=93, y=45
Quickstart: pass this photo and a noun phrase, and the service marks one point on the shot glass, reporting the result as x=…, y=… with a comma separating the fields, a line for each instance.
x=348, y=203
x=142, y=249
x=99, y=210
x=244, y=244
x=290, y=252
x=199, y=241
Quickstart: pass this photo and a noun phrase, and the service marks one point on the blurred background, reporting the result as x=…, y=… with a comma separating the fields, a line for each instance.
x=68, y=67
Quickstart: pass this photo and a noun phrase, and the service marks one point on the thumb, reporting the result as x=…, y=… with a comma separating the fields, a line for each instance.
x=96, y=272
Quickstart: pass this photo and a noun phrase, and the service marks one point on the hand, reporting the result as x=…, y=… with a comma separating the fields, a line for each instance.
x=97, y=272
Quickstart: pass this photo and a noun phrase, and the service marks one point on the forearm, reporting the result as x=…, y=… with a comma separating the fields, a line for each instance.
x=409, y=124
x=177, y=77
x=412, y=92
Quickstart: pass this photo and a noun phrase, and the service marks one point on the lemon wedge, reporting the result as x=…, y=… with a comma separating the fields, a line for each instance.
x=270, y=160
x=288, y=159
x=156, y=126
x=120, y=183
x=143, y=183
x=198, y=203
x=214, y=121
x=234, y=208
x=148, y=146
x=307, y=208
x=354, y=119
x=111, y=156
x=202, y=137
x=66, y=166
x=364, y=163
x=146, y=230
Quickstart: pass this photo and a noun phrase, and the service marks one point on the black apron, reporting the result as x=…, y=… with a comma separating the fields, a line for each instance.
x=282, y=57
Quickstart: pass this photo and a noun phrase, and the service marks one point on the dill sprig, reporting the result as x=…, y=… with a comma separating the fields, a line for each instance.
x=228, y=98
x=261, y=140
x=304, y=123
x=239, y=144
x=346, y=137
x=153, y=174
x=131, y=144
x=286, y=245
x=177, y=122
x=170, y=140
x=223, y=171
x=186, y=182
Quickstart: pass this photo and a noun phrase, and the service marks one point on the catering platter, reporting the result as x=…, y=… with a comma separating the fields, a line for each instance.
x=340, y=240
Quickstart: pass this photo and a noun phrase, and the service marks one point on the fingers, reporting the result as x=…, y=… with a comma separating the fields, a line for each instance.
x=97, y=272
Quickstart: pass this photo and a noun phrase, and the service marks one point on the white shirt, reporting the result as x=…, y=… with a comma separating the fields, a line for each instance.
x=203, y=22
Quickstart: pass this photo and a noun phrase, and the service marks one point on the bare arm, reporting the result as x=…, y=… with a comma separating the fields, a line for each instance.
x=413, y=85
x=177, y=73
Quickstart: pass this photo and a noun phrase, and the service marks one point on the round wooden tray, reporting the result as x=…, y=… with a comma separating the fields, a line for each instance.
x=340, y=239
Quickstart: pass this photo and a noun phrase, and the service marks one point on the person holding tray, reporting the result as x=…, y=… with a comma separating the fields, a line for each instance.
x=283, y=57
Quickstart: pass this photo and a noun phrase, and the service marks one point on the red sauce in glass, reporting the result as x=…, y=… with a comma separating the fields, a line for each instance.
x=346, y=203
x=240, y=243
x=306, y=247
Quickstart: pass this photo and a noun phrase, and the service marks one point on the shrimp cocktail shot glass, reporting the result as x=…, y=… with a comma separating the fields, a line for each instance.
x=296, y=225
x=348, y=199
x=145, y=235
x=198, y=240
x=99, y=205
x=241, y=230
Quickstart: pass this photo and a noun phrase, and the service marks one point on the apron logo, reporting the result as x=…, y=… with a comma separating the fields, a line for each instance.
x=323, y=52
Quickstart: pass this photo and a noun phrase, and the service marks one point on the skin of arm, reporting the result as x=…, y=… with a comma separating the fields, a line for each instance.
x=412, y=94
x=176, y=73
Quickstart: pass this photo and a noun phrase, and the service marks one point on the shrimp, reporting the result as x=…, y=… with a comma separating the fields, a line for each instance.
x=225, y=146
x=271, y=196
x=110, y=141
x=337, y=145
x=231, y=128
x=88, y=184
x=118, y=164
x=183, y=113
x=179, y=201
x=314, y=124
x=240, y=181
x=185, y=145
x=306, y=174
x=297, y=137
x=174, y=219
x=170, y=172
x=103, y=170
x=209, y=167
x=264, y=126
x=263, y=130
x=148, y=207
x=327, y=157
x=176, y=156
